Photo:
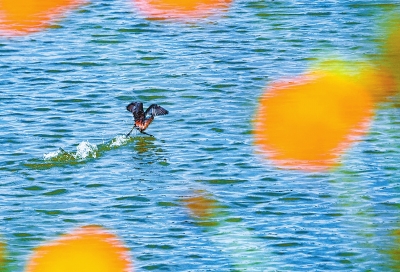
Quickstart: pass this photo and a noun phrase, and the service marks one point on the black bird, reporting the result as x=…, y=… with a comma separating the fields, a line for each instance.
x=140, y=116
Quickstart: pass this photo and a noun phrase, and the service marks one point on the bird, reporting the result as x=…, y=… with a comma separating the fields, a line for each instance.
x=142, y=119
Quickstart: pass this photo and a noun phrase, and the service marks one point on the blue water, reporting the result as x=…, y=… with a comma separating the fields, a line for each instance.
x=65, y=162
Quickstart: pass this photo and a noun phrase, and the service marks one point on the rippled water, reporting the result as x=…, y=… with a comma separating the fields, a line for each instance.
x=65, y=162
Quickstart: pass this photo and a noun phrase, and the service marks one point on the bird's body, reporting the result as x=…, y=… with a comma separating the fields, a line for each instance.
x=142, y=119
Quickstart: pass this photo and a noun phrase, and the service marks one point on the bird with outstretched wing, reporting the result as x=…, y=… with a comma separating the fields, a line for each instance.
x=142, y=119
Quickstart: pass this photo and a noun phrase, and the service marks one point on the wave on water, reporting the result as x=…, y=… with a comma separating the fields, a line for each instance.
x=84, y=151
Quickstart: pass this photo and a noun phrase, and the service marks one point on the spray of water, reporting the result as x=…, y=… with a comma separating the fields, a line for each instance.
x=85, y=151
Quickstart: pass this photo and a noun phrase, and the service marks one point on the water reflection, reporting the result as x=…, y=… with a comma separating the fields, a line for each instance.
x=180, y=9
x=146, y=151
x=89, y=248
x=26, y=16
x=145, y=145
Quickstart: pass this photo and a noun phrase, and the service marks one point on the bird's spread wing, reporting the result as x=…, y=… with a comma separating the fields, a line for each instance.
x=137, y=110
x=155, y=110
x=135, y=107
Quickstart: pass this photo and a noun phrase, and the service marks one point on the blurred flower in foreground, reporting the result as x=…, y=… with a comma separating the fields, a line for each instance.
x=380, y=81
x=228, y=233
x=376, y=79
x=395, y=251
x=85, y=249
x=309, y=122
x=390, y=59
x=2, y=255
x=201, y=206
x=180, y=9
x=25, y=16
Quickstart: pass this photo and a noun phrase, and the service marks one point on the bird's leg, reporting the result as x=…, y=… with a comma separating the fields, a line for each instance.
x=129, y=133
x=146, y=133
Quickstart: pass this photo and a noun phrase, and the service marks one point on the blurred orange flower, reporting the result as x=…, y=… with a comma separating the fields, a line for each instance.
x=85, y=249
x=309, y=122
x=180, y=9
x=201, y=206
x=395, y=251
x=379, y=80
x=391, y=48
x=25, y=16
x=2, y=254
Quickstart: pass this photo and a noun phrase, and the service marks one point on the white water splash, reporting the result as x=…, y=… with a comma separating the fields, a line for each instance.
x=84, y=150
x=119, y=140
x=50, y=155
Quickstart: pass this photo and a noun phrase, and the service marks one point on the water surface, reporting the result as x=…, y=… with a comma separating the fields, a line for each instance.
x=65, y=163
